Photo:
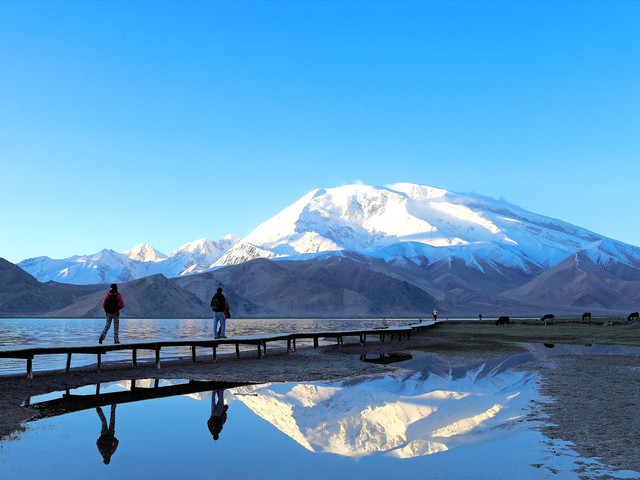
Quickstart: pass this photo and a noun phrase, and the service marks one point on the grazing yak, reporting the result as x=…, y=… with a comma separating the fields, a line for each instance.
x=586, y=316
x=503, y=321
x=547, y=318
x=633, y=316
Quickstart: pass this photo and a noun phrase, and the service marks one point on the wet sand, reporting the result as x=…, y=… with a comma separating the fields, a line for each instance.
x=592, y=402
x=595, y=406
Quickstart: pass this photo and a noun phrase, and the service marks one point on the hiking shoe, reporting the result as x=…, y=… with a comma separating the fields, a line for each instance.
x=223, y=336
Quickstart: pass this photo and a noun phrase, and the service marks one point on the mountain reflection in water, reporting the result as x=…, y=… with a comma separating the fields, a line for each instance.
x=402, y=417
x=426, y=420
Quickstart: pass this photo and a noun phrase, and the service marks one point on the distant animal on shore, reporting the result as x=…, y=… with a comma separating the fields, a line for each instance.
x=547, y=318
x=503, y=321
x=633, y=316
x=586, y=316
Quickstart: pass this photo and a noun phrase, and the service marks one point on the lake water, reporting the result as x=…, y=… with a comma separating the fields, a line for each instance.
x=81, y=331
x=429, y=421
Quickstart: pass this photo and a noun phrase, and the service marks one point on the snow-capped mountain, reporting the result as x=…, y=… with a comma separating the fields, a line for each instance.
x=106, y=266
x=440, y=224
x=143, y=252
x=195, y=257
x=399, y=223
x=143, y=260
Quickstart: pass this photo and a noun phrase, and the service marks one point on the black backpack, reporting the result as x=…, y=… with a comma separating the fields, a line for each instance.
x=111, y=304
x=216, y=303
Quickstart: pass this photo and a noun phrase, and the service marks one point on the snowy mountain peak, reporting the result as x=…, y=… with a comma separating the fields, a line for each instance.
x=142, y=260
x=419, y=192
x=363, y=217
x=143, y=252
x=206, y=247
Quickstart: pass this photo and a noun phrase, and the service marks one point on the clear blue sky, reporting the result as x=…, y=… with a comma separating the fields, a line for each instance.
x=165, y=122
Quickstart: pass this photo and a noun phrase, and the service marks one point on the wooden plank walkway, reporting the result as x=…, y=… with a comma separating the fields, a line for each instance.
x=260, y=341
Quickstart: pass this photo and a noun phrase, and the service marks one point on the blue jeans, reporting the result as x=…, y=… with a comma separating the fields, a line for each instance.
x=219, y=317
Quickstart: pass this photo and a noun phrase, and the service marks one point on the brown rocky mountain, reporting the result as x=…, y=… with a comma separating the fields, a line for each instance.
x=577, y=283
x=22, y=295
x=150, y=297
x=348, y=285
x=335, y=287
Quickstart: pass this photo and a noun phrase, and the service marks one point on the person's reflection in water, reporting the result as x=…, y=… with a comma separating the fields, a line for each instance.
x=218, y=413
x=107, y=442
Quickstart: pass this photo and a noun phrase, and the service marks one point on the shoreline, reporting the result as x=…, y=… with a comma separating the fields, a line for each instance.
x=593, y=397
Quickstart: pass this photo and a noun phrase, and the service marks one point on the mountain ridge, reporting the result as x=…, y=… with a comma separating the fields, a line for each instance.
x=365, y=219
x=361, y=251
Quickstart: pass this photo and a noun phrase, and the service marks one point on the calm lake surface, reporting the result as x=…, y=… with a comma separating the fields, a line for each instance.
x=427, y=421
x=76, y=331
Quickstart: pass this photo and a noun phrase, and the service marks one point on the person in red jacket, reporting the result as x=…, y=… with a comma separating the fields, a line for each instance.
x=112, y=305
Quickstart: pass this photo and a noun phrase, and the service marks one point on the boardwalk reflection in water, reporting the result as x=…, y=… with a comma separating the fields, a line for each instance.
x=451, y=424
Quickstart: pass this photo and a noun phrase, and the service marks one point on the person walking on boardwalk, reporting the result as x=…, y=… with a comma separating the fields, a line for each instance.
x=112, y=305
x=107, y=443
x=218, y=413
x=219, y=305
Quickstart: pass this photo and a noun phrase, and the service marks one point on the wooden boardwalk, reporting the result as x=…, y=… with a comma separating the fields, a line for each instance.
x=260, y=341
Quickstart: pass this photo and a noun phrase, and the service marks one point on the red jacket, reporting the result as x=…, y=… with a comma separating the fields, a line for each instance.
x=120, y=303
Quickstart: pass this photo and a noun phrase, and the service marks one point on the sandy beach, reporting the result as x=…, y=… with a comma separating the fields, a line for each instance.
x=592, y=397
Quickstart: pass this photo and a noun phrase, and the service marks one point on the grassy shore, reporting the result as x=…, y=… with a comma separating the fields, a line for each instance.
x=463, y=337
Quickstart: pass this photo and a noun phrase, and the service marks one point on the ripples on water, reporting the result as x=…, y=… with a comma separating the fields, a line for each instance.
x=85, y=331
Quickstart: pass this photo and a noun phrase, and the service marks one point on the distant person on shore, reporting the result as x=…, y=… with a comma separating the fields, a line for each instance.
x=480, y=316
x=107, y=442
x=220, y=308
x=218, y=413
x=112, y=305
x=434, y=313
